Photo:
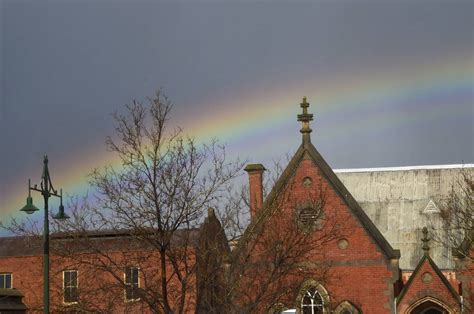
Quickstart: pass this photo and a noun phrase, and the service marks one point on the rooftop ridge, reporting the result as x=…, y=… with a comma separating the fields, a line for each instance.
x=405, y=168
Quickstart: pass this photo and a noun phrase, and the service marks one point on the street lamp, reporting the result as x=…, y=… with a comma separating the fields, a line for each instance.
x=47, y=190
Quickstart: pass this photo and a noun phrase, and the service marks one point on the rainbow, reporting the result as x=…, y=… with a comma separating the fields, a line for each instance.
x=256, y=113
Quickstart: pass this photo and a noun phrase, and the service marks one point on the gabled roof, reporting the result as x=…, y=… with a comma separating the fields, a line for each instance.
x=427, y=259
x=212, y=235
x=307, y=148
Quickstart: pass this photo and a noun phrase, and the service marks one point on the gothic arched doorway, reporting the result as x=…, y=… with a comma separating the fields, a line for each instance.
x=429, y=306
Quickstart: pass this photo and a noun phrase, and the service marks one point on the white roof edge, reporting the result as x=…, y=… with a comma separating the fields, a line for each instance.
x=405, y=168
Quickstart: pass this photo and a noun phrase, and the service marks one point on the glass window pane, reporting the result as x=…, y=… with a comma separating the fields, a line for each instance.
x=128, y=293
x=127, y=275
x=71, y=295
x=66, y=278
x=135, y=275
x=306, y=300
x=307, y=310
x=73, y=278
x=74, y=294
x=318, y=299
x=8, y=281
x=67, y=295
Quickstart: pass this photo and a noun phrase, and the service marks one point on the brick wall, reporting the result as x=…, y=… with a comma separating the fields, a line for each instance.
x=99, y=286
x=357, y=270
x=426, y=284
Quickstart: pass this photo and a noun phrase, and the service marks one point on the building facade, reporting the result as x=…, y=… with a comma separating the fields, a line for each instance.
x=322, y=241
x=378, y=260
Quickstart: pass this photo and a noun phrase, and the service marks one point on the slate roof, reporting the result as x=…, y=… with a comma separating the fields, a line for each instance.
x=110, y=240
x=20, y=246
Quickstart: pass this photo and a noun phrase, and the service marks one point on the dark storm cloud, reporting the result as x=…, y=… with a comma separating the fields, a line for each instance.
x=66, y=65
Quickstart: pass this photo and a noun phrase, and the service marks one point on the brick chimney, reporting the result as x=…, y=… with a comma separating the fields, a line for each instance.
x=255, y=172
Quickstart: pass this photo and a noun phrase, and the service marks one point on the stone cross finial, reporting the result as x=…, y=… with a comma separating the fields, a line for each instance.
x=425, y=240
x=305, y=118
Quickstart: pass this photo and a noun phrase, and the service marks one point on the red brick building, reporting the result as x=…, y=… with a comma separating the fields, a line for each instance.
x=110, y=272
x=310, y=248
x=362, y=273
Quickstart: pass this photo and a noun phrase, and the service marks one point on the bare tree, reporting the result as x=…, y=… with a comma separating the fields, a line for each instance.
x=457, y=215
x=154, y=203
x=282, y=248
x=141, y=239
x=272, y=255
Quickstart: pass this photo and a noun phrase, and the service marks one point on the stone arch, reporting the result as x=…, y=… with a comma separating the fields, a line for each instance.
x=312, y=287
x=429, y=305
x=277, y=308
x=346, y=307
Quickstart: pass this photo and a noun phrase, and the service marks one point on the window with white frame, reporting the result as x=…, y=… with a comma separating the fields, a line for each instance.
x=6, y=280
x=132, y=284
x=312, y=302
x=70, y=286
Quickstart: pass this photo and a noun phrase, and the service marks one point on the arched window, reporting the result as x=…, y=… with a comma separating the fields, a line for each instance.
x=312, y=302
x=312, y=298
x=346, y=307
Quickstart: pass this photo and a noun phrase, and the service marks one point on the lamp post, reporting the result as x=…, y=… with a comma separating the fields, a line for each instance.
x=47, y=190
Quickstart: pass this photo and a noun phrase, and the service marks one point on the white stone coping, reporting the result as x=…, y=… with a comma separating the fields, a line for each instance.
x=405, y=168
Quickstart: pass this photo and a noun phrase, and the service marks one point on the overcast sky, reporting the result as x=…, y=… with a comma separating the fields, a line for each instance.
x=390, y=82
